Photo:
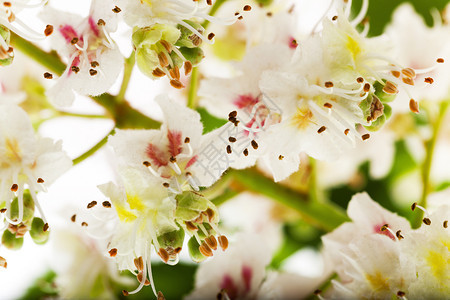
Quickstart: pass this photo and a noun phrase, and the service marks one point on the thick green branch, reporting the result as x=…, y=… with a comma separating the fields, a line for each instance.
x=326, y=216
x=127, y=70
x=193, y=87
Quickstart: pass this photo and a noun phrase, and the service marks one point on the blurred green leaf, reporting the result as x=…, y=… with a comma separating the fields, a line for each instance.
x=42, y=288
x=380, y=11
x=209, y=121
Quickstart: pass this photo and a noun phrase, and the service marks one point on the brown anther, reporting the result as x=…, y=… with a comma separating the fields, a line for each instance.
x=232, y=139
x=177, y=250
x=94, y=64
x=139, y=263
x=232, y=119
x=408, y=72
x=440, y=60
x=163, y=254
x=158, y=73
x=408, y=80
x=210, y=213
x=166, y=184
x=116, y=10
x=176, y=84
x=367, y=87
x=101, y=22
x=73, y=218
x=191, y=226
x=401, y=294
x=414, y=106
x=396, y=74
x=7, y=4
x=125, y=293
x=11, y=18
x=163, y=61
x=14, y=187
x=3, y=262
x=328, y=105
x=113, y=252
x=211, y=36
x=229, y=149
x=399, y=235
x=317, y=292
x=390, y=88
x=147, y=164
x=3, y=210
x=40, y=180
x=74, y=41
x=321, y=129
x=75, y=69
x=254, y=144
x=172, y=159
x=426, y=221
x=92, y=72
x=45, y=228
x=429, y=80
x=187, y=68
x=48, y=75
x=21, y=231
x=232, y=114
x=175, y=73
x=209, y=2
x=384, y=227
x=106, y=204
x=84, y=224
x=48, y=30
x=245, y=152
x=346, y=131
x=92, y=204
x=160, y=294
x=187, y=140
x=365, y=136
x=269, y=14
x=199, y=219
x=413, y=206
x=166, y=45
x=376, y=109
x=212, y=242
x=280, y=157
x=334, y=18
x=329, y=84
x=445, y=224
x=223, y=242
x=205, y=250
x=240, y=17
x=195, y=39
x=247, y=8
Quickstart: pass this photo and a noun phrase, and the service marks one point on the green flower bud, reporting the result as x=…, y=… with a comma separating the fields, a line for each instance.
x=194, y=55
x=37, y=232
x=194, y=251
x=28, y=208
x=171, y=244
x=381, y=120
x=10, y=241
x=384, y=97
x=189, y=39
x=6, y=57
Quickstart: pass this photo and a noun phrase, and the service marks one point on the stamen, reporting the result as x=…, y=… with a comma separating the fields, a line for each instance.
x=399, y=235
x=3, y=262
x=92, y=204
x=280, y=157
x=175, y=167
x=205, y=250
x=365, y=136
x=414, y=106
x=149, y=167
x=429, y=80
x=254, y=144
x=191, y=226
x=73, y=218
x=390, y=88
x=245, y=152
x=425, y=220
x=408, y=72
x=386, y=227
x=223, y=242
x=139, y=263
x=192, y=182
x=321, y=129
x=212, y=242
x=164, y=255
x=106, y=204
x=445, y=224
x=113, y=252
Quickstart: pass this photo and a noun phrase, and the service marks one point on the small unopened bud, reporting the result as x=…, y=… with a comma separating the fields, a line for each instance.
x=37, y=232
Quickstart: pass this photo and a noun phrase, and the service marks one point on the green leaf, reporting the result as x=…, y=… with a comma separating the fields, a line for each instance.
x=209, y=121
x=42, y=288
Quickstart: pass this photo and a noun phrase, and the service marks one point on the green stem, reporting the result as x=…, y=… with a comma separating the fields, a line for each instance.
x=193, y=87
x=94, y=149
x=313, y=187
x=430, y=146
x=326, y=216
x=225, y=196
x=69, y=114
x=127, y=71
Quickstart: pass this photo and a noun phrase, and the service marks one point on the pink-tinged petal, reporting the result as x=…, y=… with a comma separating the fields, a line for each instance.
x=175, y=146
x=292, y=43
x=247, y=274
x=68, y=32
x=94, y=27
x=228, y=285
x=245, y=101
x=378, y=229
x=157, y=156
x=191, y=161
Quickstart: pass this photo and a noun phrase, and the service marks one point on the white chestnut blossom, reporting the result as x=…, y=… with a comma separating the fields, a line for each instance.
x=26, y=161
x=93, y=59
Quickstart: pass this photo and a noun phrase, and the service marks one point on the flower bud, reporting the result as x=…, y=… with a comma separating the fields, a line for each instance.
x=384, y=97
x=28, y=208
x=194, y=55
x=6, y=55
x=10, y=241
x=37, y=232
x=189, y=39
x=194, y=251
x=171, y=244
